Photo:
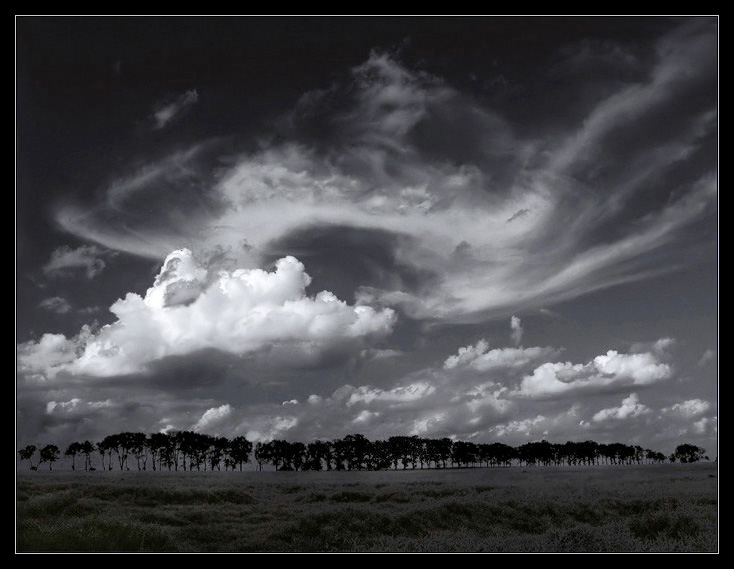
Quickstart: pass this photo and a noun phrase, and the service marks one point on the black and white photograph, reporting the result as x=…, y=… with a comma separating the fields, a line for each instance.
x=366, y=284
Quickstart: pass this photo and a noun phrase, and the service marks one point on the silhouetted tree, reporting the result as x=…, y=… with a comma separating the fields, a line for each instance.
x=27, y=453
x=72, y=450
x=688, y=453
x=104, y=447
x=87, y=448
x=50, y=454
x=239, y=450
x=261, y=455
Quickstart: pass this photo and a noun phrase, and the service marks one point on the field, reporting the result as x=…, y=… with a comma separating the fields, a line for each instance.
x=644, y=508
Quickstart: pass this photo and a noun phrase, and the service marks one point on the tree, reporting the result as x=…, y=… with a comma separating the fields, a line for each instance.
x=87, y=448
x=104, y=447
x=261, y=455
x=27, y=453
x=72, y=450
x=239, y=450
x=50, y=454
x=689, y=453
x=138, y=445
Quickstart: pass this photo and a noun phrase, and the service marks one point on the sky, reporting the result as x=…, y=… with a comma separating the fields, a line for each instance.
x=497, y=229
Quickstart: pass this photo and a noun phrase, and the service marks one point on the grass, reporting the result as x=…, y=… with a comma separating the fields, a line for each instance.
x=655, y=508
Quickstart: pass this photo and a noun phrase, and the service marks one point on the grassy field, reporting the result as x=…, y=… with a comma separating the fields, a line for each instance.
x=646, y=508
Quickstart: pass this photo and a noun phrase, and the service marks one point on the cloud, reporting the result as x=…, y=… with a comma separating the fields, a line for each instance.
x=468, y=401
x=707, y=357
x=170, y=111
x=66, y=261
x=516, y=326
x=630, y=407
x=688, y=409
x=610, y=370
x=706, y=425
x=402, y=153
x=212, y=417
x=480, y=358
x=55, y=304
x=190, y=309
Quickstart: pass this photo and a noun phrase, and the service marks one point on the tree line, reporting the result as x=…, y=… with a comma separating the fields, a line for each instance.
x=189, y=450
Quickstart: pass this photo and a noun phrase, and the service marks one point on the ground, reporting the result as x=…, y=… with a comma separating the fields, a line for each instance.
x=637, y=508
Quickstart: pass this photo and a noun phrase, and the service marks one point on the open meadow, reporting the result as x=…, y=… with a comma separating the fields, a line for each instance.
x=633, y=508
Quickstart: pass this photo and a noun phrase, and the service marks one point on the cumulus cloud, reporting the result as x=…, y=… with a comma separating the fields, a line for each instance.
x=66, y=261
x=212, y=417
x=170, y=111
x=608, y=370
x=56, y=304
x=189, y=309
x=630, y=407
x=480, y=358
x=387, y=159
x=689, y=409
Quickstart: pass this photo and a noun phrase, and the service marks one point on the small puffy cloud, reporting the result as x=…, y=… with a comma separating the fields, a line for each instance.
x=212, y=417
x=190, y=308
x=466, y=355
x=480, y=358
x=663, y=344
x=608, y=370
x=630, y=407
x=166, y=113
x=517, y=331
x=365, y=417
x=267, y=428
x=55, y=304
x=66, y=261
x=706, y=425
x=688, y=409
x=70, y=405
x=526, y=427
x=707, y=357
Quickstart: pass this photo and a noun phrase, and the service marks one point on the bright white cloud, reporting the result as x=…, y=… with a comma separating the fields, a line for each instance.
x=630, y=407
x=53, y=406
x=166, y=113
x=66, y=261
x=212, y=417
x=610, y=369
x=189, y=309
x=55, y=304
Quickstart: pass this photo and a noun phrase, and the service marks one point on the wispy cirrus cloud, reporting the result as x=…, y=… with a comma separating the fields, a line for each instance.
x=56, y=304
x=374, y=168
x=167, y=112
x=66, y=261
